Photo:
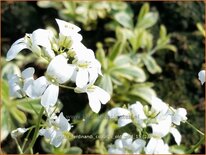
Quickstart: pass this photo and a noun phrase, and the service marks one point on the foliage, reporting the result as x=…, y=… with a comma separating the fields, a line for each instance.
x=137, y=63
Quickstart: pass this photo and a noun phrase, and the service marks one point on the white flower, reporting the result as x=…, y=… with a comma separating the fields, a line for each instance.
x=179, y=116
x=96, y=96
x=87, y=68
x=156, y=146
x=15, y=86
x=201, y=76
x=39, y=38
x=123, y=115
x=126, y=145
x=162, y=128
x=138, y=113
x=158, y=105
x=57, y=130
x=69, y=30
x=17, y=132
x=47, y=87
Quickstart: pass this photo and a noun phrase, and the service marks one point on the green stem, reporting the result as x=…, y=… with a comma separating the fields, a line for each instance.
x=36, y=130
x=200, y=132
x=67, y=87
x=27, y=136
x=196, y=145
x=18, y=146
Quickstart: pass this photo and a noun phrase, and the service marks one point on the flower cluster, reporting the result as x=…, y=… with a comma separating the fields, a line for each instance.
x=68, y=61
x=160, y=117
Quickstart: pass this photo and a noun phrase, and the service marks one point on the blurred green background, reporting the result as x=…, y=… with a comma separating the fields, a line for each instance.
x=176, y=83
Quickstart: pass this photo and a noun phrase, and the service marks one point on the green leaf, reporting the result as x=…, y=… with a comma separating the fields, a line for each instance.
x=170, y=47
x=148, y=20
x=201, y=29
x=130, y=72
x=124, y=19
x=116, y=49
x=122, y=60
x=151, y=64
x=74, y=150
x=106, y=84
x=29, y=105
x=143, y=11
x=163, y=31
x=18, y=115
x=5, y=125
x=4, y=90
x=100, y=55
x=178, y=149
x=143, y=92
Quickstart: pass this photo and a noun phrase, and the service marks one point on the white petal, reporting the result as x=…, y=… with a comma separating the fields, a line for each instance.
x=65, y=27
x=50, y=96
x=102, y=95
x=36, y=88
x=157, y=146
x=93, y=75
x=28, y=73
x=82, y=78
x=57, y=139
x=41, y=37
x=63, y=123
x=59, y=69
x=115, y=112
x=49, y=53
x=176, y=134
x=201, y=76
x=179, y=116
x=113, y=150
x=15, y=88
x=162, y=128
x=17, y=132
x=47, y=133
x=158, y=105
x=137, y=110
x=124, y=120
x=16, y=47
x=118, y=143
x=94, y=103
x=151, y=146
x=138, y=145
x=126, y=140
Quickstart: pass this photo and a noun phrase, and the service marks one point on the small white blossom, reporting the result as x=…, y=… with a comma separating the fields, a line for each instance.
x=96, y=96
x=47, y=87
x=15, y=86
x=201, y=76
x=162, y=128
x=135, y=113
x=179, y=116
x=123, y=115
x=156, y=146
x=39, y=38
x=87, y=68
x=126, y=145
x=158, y=105
x=57, y=131
x=17, y=132
x=138, y=113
